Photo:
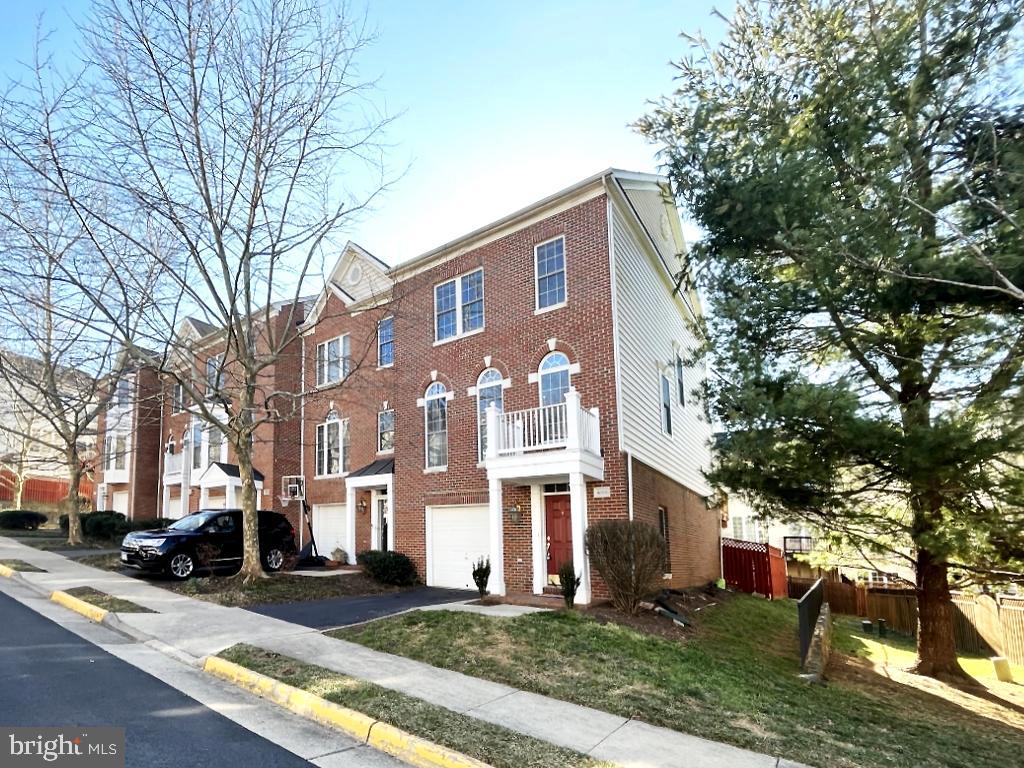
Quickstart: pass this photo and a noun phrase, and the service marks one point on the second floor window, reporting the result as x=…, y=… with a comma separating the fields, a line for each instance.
x=386, y=342
x=332, y=447
x=554, y=378
x=459, y=306
x=196, y=442
x=435, y=414
x=178, y=397
x=332, y=361
x=214, y=374
x=666, y=404
x=385, y=431
x=488, y=392
x=550, y=272
x=122, y=392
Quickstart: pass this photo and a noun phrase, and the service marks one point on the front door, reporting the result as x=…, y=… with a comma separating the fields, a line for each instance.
x=382, y=523
x=559, y=533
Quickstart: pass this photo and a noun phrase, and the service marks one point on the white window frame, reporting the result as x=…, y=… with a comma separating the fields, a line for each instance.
x=320, y=459
x=122, y=392
x=432, y=394
x=494, y=383
x=460, y=331
x=178, y=397
x=665, y=402
x=195, y=444
x=537, y=308
x=380, y=432
x=323, y=361
x=542, y=372
x=680, y=379
x=380, y=343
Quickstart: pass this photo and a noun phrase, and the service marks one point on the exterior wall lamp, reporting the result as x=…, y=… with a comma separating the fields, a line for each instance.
x=362, y=505
x=515, y=514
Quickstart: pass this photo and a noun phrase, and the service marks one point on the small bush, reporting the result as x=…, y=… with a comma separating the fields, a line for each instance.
x=569, y=582
x=21, y=520
x=82, y=517
x=105, y=525
x=481, y=575
x=388, y=567
x=630, y=556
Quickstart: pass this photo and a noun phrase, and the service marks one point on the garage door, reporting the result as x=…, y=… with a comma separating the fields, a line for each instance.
x=329, y=527
x=119, y=502
x=458, y=536
x=174, y=508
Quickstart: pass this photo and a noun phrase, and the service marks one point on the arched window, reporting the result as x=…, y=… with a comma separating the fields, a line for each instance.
x=488, y=391
x=554, y=378
x=435, y=414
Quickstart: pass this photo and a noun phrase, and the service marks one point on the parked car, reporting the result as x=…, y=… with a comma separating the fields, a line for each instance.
x=210, y=539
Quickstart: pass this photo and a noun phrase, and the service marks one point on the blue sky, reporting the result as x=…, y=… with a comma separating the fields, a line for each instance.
x=503, y=102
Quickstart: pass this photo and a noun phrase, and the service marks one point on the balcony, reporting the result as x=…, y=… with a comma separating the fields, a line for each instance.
x=549, y=441
x=173, y=463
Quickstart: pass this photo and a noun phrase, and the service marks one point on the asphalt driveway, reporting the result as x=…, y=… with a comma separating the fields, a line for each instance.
x=342, y=611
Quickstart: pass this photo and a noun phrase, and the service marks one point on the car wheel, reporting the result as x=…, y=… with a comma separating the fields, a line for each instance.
x=182, y=566
x=274, y=559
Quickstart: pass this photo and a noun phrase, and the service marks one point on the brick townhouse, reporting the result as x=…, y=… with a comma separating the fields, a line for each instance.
x=496, y=395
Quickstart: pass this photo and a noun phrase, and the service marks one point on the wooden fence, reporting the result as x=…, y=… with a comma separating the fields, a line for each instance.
x=981, y=624
x=42, y=490
x=751, y=567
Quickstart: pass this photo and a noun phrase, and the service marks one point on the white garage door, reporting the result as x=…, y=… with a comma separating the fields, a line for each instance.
x=174, y=508
x=329, y=527
x=119, y=502
x=458, y=536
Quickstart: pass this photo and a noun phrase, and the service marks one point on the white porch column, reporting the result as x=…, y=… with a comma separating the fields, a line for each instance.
x=204, y=497
x=540, y=548
x=350, y=523
x=492, y=432
x=497, y=529
x=572, y=420
x=578, y=511
x=390, y=485
x=231, y=495
x=166, y=500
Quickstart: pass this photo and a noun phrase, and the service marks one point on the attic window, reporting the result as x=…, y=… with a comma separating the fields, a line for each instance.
x=355, y=274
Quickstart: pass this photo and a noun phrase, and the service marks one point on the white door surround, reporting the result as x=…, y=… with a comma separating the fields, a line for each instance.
x=381, y=486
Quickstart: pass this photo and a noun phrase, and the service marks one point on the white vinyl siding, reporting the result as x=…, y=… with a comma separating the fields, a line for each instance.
x=650, y=326
x=332, y=360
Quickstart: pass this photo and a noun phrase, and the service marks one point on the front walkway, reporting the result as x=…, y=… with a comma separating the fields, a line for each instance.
x=198, y=629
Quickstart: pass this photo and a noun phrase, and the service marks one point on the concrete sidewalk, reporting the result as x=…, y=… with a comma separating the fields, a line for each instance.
x=197, y=628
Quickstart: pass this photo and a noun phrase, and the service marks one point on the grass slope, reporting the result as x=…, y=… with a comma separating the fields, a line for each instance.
x=107, y=602
x=733, y=679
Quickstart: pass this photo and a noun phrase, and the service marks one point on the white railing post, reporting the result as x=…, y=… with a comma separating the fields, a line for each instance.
x=492, y=432
x=572, y=420
x=595, y=435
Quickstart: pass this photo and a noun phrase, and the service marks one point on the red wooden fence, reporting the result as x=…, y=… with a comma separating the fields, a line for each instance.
x=41, y=490
x=751, y=567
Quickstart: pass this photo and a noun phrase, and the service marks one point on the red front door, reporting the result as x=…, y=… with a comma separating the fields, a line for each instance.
x=559, y=531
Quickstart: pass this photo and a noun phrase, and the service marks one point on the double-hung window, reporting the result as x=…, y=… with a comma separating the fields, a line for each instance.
x=435, y=414
x=666, y=404
x=122, y=392
x=386, y=431
x=386, y=342
x=459, y=306
x=214, y=374
x=488, y=392
x=197, y=444
x=178, y=397
x=332, y=447
x=549, y=265
x=332, y=361
x=680, y=380
x=214, y=441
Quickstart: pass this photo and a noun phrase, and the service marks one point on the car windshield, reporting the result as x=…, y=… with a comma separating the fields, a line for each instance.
x=189, y=523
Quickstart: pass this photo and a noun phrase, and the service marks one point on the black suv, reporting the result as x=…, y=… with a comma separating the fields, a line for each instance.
x=210, y=538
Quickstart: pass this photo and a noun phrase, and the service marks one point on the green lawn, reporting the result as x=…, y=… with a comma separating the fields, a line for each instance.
x=107, y=602
x=276, y=588
x=492, y=744
x=732, y=679
x=21, y=565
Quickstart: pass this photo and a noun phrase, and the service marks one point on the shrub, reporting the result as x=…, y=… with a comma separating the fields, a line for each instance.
x=82, y=517
x=569, y=583
x=630, y=556
x=481, y=575
x=388, y=567
x=105, y=525
x=21, y=520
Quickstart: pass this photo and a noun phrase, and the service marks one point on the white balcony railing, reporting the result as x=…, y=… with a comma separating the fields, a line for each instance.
x=172, y=463
x=566, y=426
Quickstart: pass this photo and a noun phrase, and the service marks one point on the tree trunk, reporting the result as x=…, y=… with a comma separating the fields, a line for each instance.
x=19, y=489
x=936, y=646
x=71, y=501
x=252, y=563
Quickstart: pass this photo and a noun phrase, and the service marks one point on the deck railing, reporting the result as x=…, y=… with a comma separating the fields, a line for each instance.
x=565, y=425
x=172, y=463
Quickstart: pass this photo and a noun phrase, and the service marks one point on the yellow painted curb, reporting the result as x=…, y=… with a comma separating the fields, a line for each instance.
x=6, y=571
x=386, y=738
x=90, y=611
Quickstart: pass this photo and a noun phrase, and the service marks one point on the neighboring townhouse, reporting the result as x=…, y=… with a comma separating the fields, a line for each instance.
x=127, y=471
x=496, y=395
x=197, y=466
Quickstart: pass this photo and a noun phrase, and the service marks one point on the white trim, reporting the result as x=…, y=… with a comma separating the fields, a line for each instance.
x=450, y=339
x=344, y=358
x=460, y=332
x=616, y=351
x=537, y=308
x=665, y=390
x=343, y=433
x=538, y=523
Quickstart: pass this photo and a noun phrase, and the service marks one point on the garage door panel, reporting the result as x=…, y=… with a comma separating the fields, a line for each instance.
x=329, y=527
x=459, y=536
x=174, y=508
x=119, y=502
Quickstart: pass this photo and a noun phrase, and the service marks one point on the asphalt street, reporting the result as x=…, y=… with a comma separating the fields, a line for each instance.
x=50, y=676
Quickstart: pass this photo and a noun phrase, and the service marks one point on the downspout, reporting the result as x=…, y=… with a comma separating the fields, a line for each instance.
x=302, y=439
x=629, y=482
x=163, y=453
